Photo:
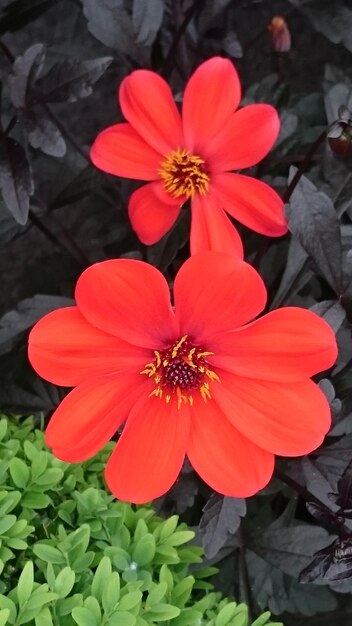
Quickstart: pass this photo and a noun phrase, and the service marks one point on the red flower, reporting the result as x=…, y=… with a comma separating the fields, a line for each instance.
x=192, y=158
x=197, y=379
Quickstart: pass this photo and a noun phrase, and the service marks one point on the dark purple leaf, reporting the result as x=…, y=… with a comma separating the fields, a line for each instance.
x=221, y=519
x=334, y=562
x=313, y=220
x=16, y=181
x=25, y=315
x=147, y=16
x=21, y=12
x=279, y=592
x=44, y=135
x=325, y=516
x=343, y=497
x=295, y=275
x=332, y=312
x=290, y=549
x=25, y=70
x=111, y=24
x=70, y=80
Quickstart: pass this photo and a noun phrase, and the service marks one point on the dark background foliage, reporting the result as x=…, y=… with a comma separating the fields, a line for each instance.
x=61, y=61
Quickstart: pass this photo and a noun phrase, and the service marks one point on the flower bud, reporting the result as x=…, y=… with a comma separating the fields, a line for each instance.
x=340, y=133
x=280, y=34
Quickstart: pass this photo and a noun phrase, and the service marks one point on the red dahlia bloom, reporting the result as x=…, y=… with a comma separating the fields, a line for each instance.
x=192, y=158
x=196, y=379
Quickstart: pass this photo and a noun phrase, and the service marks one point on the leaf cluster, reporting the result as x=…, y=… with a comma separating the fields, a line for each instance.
x=71, y=555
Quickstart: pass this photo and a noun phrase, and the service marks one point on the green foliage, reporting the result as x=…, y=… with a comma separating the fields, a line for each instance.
x=72, y=555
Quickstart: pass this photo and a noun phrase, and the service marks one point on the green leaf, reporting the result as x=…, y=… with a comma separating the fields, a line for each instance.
x=182, y=591
x=180, y=537
x=64, y=582
x=93, y=606
x=9, y=605
x=102, y=573
x=19, y=472
x=4, y=615
x=44, y=618
x=111, y=593
x=25, y=584
x=33, y=500
x=84, y=617
x=6, y=523
x=163, y=612
x=144, y=550
x=156, y=595
x=263, y=619
x=130, y=600
x=121, y=618
x=49, y=554
x=3, y=428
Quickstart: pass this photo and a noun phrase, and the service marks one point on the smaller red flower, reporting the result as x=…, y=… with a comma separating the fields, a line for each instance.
x=191, y=158
x=197, y=379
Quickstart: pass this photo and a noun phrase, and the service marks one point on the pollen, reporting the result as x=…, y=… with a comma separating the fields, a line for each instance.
x=184, y=174
x=181, y=371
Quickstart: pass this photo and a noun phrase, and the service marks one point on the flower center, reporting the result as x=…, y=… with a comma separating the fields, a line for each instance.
x=179, y=371
x=184, y=174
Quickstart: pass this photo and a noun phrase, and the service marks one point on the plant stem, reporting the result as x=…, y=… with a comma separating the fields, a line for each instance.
x=244, y=584
x=302, y=168
x=65, y=132
x=167, y=66
x=52, y=237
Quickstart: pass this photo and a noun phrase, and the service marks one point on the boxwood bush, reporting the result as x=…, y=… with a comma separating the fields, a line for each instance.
x=70, y=554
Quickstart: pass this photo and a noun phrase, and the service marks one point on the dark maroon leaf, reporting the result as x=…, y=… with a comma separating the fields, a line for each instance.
x=16, y=181
x=221, y=519
x=147, y=16
x=290, y=549
x=295, y=275
x=313, y=220
x=331, y=311
x=112, y=24
x=44, y=135
x=343, y=497
x=25, y=70
x=27, y=313
x=72, y=79
x=21, y=12
x=325, y=516
x=279, y=592
x=334, y=562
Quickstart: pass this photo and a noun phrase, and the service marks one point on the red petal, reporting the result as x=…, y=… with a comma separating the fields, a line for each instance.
x=150, y=216
x=227, y=461
x=251, y=202
x=147, y=103
x=212, y=94
x=66, y=349
x=215, y=293
x=119, y=150
x=290, y=419
x=150, y=452
x=211, y=229
x=289, y=344
x=245, y=139
x=129, y=299
x=90, y=415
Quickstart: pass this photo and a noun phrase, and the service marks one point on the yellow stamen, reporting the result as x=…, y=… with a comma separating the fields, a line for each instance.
x=179, y=371
x=184, y=174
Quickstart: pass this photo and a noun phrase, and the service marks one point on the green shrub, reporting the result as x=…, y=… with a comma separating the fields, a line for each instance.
x=70, y=554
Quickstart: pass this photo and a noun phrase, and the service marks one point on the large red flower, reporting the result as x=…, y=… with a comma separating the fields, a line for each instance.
x=196, y=379
x=191, y=158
